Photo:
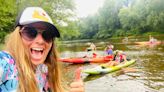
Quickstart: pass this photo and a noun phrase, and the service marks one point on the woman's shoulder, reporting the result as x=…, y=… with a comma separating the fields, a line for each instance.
x=4, y=53
x=6, y=60
x=8, y=73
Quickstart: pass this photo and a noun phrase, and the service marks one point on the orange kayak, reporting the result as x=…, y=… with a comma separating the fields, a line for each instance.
x=148, y=43
x=74, y=60
x=101, y=59
x=88, y=60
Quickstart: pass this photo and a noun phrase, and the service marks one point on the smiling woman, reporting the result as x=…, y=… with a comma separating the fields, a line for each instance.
x=29, y=62
x=87, y=7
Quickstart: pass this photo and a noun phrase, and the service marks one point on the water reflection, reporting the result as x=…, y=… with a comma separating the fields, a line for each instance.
x=150, y=62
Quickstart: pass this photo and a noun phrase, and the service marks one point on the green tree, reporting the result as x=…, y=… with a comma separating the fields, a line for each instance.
x=7, y=17
x=143, y=16
x=89, y=27
x=61, y=12
x=125, y=18
x=105, y=23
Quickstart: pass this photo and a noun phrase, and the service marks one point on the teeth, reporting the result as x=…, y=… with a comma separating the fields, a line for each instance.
x=38, y=49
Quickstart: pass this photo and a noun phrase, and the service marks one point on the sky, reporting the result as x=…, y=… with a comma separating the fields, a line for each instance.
x=87, y=7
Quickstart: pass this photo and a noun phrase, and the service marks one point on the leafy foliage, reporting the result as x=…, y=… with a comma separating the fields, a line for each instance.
x=61, y=12
x=126, y=18
x=7, y=17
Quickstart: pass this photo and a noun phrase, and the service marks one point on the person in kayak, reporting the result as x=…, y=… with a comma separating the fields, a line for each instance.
x=109, y=52
x=109, y=49
x=91, y=51
x=152, y=40
x=119, y=57
x=92, y=47
x=29, y=62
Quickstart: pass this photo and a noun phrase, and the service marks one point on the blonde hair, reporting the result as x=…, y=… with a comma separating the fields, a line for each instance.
x=26, y=71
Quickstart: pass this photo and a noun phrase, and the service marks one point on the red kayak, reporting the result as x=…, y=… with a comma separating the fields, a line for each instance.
x=88, y=60
x=74, y=60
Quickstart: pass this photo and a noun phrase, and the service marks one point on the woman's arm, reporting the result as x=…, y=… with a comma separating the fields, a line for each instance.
x=78, y=84
x=124, y=58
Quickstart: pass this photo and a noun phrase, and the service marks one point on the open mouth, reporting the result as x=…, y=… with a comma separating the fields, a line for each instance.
x=37, y=53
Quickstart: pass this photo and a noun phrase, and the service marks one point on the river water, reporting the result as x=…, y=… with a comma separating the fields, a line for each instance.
x=150, y=66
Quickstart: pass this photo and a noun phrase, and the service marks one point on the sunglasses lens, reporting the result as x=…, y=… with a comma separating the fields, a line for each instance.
x=48, y=36
x=29, y=33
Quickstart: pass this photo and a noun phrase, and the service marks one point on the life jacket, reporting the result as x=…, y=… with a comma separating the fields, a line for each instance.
x=108, y=58
x=94, y=55
x=118, y=58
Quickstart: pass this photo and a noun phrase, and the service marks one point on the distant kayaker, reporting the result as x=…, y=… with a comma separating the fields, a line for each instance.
x=125, y=40
x=152, y=40
x=119, y=57
x=91, y=51
x=92, y=47
x=109, y=49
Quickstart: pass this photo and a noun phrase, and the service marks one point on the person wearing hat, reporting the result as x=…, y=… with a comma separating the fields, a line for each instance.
x=29, y=61
x=109, y=52
x=109, y=49
x=119, y=57
x=91, y=51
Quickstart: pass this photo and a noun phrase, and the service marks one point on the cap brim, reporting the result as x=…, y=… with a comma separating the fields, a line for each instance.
x=52, y=28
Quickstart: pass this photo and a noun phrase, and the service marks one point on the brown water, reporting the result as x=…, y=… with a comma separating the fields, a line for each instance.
x=150, y=63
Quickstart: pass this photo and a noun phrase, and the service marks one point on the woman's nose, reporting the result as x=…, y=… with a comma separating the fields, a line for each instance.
x=39, y=38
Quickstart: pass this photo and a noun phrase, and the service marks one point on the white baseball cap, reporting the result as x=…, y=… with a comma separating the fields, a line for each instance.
x=36, y=15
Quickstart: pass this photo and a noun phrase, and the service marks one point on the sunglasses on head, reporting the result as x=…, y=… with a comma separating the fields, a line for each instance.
x=30, y=33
